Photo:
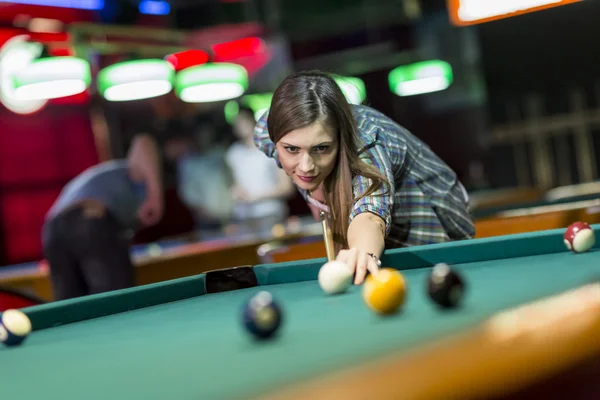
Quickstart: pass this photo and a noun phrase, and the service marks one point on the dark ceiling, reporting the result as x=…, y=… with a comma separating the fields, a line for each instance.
x=298, y=20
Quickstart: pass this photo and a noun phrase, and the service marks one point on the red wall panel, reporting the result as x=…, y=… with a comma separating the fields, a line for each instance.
x=47, y=148
x=38, y=155
x=22, y=219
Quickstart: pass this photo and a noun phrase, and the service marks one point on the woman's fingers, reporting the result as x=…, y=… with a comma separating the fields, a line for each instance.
x=349, y=257
x=373, y=265
x=359, y=263
x=361, y=268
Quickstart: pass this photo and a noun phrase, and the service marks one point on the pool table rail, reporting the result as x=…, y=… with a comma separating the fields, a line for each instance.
x=459, y=252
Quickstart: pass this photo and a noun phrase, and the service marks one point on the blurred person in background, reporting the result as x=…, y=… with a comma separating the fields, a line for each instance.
x=87, y=231
x=203, y=179
x=203, y=183
x=192, y=142
x=260, y=188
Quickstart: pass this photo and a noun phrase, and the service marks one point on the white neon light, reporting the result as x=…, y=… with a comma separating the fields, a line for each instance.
x=210, y=92
x=16, y=55
x=422, y=86
x=473, y=10
x=137, y=90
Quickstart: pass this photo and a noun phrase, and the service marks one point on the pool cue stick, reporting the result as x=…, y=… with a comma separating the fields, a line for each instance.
x=327, y=236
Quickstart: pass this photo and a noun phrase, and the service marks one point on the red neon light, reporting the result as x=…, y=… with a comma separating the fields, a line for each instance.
x=238, y=48
x=186, y=59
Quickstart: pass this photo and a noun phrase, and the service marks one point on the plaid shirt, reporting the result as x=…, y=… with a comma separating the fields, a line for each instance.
x=426, y=204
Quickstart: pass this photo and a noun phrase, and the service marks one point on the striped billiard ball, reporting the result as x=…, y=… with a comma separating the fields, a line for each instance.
x=579, y=237
x=15, y=326
x=262, y=315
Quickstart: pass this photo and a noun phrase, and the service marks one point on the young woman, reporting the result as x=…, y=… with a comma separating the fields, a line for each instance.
x=382, y=187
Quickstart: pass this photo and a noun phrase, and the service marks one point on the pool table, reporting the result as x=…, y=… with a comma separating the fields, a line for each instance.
x=538, y=218
x=534, y=206
x=531, y=315
x=172, y=258
x=501, y=197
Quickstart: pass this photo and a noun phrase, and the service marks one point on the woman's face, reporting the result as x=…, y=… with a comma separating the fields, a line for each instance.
x=308, y=155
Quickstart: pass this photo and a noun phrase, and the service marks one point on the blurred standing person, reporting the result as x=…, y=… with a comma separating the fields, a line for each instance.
x=193, y=162
x=260, y=188
x=87, y=230
x=203, y=179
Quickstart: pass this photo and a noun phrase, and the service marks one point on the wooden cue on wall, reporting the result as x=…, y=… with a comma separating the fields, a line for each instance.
x=327, y=236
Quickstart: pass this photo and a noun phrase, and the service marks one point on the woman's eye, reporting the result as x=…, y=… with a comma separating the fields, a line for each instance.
x=321, y=149
x=292, y=149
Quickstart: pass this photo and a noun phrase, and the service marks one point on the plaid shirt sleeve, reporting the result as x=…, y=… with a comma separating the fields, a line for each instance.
x=381, y=201
x=262, y=139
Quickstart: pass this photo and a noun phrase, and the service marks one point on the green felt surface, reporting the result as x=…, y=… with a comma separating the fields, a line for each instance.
x=196, y=348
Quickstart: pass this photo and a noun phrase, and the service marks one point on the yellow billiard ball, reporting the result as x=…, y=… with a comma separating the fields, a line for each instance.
x=385, y=291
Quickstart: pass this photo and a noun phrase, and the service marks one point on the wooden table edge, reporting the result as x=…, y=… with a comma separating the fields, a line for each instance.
x=208, y=248
x=509, y=351
x=550, y=208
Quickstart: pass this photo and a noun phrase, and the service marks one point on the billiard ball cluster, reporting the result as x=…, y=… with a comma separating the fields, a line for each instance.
x=385, y=292
x=15, y=326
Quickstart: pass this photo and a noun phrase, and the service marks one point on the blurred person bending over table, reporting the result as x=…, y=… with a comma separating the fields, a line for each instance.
x=381, y=186
x=87, y=230
x=260, y=188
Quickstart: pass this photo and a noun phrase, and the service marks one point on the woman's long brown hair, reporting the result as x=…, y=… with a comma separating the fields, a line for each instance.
x=313, y=96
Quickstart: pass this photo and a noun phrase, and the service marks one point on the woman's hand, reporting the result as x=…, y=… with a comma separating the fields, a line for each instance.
x=359, y=262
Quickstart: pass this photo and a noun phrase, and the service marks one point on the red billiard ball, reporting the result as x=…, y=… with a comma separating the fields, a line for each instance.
x=445, y=286
x=579, y=237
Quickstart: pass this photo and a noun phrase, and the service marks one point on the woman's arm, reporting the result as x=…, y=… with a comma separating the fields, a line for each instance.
x=366, y=238
x=370, y=217
x=367, y=233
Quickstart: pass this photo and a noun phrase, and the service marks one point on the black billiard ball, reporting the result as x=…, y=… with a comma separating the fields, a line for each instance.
x=262, y=315
x=445, y=286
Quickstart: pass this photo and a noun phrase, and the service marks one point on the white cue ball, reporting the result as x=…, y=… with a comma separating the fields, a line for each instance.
x=335, y=277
